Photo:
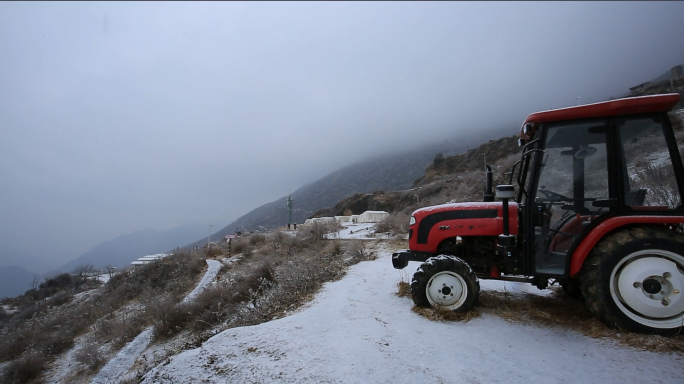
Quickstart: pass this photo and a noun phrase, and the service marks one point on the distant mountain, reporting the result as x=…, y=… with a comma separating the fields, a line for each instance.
x=391, y=172
x=11, y=256
x=121, y=251
x=14, y=281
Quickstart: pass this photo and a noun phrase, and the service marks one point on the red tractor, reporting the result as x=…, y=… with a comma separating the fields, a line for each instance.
x=594, y=204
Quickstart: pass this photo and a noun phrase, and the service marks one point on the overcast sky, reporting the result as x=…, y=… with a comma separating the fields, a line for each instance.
x=115, y=117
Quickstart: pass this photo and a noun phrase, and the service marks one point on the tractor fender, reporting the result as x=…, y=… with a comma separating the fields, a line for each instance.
x=609, y=225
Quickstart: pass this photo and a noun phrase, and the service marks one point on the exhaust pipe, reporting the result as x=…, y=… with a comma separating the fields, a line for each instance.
x=488, y=194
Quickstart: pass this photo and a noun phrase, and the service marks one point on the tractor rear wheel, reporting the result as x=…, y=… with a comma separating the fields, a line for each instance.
x=572, y=288
x=633, y=280
x=445, y=282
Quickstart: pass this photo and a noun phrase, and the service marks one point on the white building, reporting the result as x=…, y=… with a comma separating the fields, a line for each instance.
x=373, y=216
x=342, y=219
x=149, y=258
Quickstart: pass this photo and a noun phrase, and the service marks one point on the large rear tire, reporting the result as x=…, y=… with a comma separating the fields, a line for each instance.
x=572, y=288
x=633, y=280
x=445, y=282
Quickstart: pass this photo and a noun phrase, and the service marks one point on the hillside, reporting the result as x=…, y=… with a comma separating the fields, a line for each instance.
x=445, y=178
x=461, y=177
x=122, y=250
x=393, y=172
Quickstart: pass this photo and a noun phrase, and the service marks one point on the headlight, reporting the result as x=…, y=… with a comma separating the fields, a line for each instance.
x=412, y=220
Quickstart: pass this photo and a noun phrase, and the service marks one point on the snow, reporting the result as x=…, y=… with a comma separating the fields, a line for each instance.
x=104, y=278
x=209, y=276
x=124, y=360
x=117, y=367
x=355, y=231
x=66, y=363
x=9, y=309
x=464, y=206
x=358, y=331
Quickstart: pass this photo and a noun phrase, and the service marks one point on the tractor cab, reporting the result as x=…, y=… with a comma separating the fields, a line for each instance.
x=579, y=172
x=594, y=204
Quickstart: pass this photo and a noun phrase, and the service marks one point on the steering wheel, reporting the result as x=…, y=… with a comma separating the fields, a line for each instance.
x=553, y=196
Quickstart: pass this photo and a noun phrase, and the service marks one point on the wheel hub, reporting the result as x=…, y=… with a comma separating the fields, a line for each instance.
x=651, y=287
x=446, y=289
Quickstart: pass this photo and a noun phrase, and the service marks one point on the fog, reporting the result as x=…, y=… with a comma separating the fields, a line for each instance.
x=115, y=117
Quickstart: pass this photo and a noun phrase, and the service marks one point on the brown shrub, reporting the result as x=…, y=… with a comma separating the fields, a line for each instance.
x=24, y=370
x=60, y=298
x=16, y=343
x=254, y=283
x=119, y=328
x=90, y=356
x=167, y=317
x=237, y=245
x=59, y=342
x=213, y=251
x=319, y=231
x=334, y=247
x=211, y=306
x=256, y=240
x=356, y=249
x=396, y=223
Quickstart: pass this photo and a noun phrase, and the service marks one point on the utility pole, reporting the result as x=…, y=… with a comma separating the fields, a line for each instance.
x=577, y=100
x=209, y=237
x=289, y=211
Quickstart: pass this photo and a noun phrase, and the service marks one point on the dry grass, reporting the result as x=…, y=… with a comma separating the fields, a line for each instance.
x=556, y=311
x=404, y=289
x=445, y=315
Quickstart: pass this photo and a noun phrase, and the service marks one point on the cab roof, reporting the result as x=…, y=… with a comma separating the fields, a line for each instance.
x=627, y=106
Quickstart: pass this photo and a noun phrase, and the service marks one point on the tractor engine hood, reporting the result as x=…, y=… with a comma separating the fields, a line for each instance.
x=437, y=223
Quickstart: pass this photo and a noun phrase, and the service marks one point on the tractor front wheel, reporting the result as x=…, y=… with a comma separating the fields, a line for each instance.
x=445, y=282
x=633, y=280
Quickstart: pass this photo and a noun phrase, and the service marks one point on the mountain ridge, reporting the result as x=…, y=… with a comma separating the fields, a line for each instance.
x=122, y=250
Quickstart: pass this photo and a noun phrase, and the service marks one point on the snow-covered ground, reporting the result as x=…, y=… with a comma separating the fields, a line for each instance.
x=124, y=360
x=117, y=367
x=358, y=331
x=355, y=231
x=209, y=276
